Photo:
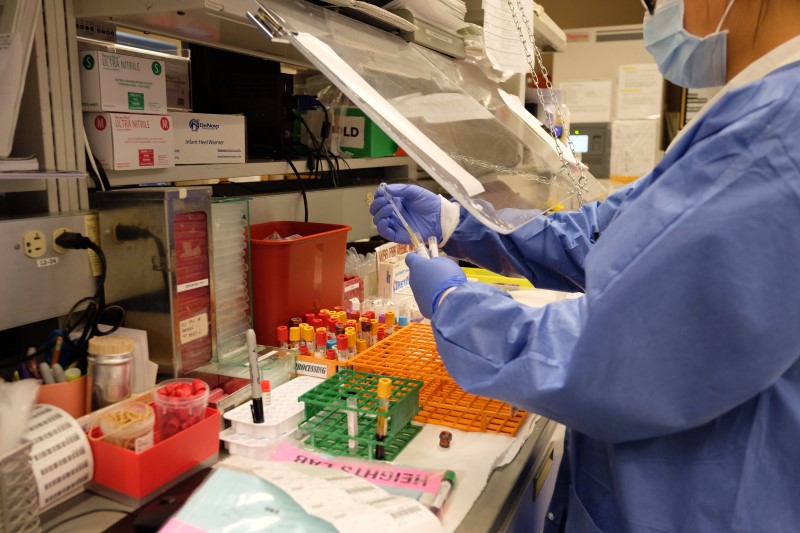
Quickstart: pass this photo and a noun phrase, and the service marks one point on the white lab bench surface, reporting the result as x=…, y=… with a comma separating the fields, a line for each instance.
x=501, y=481
x=493, y=472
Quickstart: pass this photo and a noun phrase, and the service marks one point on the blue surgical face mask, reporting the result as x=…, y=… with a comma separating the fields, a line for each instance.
x=684, y=59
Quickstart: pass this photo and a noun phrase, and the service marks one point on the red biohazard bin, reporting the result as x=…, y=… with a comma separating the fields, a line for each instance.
x=295, y=276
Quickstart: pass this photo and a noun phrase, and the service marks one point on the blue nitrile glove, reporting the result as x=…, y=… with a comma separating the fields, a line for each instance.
x=426, y=212
x=429, y=278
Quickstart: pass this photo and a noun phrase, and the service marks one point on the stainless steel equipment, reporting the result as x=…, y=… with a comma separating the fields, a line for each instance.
x=160, y=269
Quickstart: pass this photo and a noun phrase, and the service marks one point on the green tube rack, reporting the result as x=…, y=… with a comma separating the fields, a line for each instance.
x=326, y=414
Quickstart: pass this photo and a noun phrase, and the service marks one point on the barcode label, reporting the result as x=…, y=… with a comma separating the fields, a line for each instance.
x=64, y=460
x=65, y=490
x=405, y=511
x=66, y=475
x=59, y=445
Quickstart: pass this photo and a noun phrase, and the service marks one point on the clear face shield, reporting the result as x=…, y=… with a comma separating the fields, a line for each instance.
x=477, y=141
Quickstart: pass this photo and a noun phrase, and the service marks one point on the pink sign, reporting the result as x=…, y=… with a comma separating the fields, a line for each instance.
x=379, y=474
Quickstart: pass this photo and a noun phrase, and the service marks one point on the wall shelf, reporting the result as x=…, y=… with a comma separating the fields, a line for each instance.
x=216, y=23
x=253, y=168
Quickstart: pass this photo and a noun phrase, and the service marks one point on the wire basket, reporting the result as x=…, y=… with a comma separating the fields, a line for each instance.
x=19, y=497
x=326, y=414
x=411, y=353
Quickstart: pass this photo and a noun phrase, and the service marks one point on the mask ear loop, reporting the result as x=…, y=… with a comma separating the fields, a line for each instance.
x=724, y=16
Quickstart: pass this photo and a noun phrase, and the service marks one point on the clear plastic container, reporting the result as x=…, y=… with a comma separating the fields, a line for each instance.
x=176, y=411
x=281, y=414
x=129, y=426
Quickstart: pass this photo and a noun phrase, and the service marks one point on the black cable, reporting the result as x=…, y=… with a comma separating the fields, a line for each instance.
x=319, y=152
x=81, y=515
x=302, y=189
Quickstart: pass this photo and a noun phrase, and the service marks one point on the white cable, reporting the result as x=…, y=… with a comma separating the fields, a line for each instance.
x=92, y=161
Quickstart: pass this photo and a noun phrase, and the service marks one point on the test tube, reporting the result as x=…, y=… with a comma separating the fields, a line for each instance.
x=352, y=424
x=366, y=332
x=307, y=336
x=381, y=332
x=389, y=322
x=341, y=347
x=283, y=336
x=362, y=333
x=351, y=343
x=321, y=340
x=294, y=338
x=373, y=332
x=433, y=246
x=384, y=392
x=416, y=239
x=330, y=354
x=361, y=345
x=332, y=321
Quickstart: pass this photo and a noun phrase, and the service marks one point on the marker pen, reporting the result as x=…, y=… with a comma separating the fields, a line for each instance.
x=446, y=486
x=257, y=407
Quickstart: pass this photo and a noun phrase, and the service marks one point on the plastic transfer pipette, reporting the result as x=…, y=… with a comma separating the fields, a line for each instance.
x=416, y=238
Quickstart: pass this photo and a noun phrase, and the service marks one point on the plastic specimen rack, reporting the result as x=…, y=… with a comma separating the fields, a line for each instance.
x=411, y=353
x=326, y=410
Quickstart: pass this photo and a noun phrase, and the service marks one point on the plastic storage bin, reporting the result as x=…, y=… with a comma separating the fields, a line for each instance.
x=292, y=277
x=281, y=415
x=133, y=479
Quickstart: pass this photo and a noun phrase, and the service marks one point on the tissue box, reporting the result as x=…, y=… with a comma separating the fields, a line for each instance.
x=393, y=274
x=122, y=141
x=202, y=138
x=114, y=82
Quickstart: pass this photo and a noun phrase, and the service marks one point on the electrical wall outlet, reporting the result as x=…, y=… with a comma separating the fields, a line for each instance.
x=56, y=232
x=42, y=287
x=34, y=243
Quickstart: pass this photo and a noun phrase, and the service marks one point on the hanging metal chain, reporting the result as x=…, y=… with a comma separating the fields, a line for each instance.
x=565, y=165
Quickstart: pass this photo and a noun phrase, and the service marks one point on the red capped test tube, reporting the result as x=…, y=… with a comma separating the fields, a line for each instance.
x=283, y=336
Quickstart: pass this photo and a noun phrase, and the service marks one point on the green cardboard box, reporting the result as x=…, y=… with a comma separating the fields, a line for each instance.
x=362, y=138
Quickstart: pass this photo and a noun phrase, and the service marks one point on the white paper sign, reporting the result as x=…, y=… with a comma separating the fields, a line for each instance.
x=588, y=101
x=639, y=91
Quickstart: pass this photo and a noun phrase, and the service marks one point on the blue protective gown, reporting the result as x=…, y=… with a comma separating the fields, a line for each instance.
x=678, y=371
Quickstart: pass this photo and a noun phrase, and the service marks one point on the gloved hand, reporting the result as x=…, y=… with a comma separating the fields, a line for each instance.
x=426, y=212
x=429, y=278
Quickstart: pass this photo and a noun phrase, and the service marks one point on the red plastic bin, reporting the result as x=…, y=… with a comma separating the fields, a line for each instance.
x=132, y=479
x=293, y=277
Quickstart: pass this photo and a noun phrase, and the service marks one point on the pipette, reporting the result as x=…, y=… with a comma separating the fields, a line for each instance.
x=416, y=238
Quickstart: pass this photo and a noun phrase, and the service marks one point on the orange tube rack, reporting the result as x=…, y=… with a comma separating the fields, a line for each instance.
x=411, y=353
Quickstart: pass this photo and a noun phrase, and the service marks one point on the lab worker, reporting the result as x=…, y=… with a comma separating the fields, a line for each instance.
x=678, y=370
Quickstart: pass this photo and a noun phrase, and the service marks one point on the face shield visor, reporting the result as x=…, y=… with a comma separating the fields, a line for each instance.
x=477, y=141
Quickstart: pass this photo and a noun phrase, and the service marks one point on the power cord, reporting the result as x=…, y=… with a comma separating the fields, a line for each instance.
x=87, y=311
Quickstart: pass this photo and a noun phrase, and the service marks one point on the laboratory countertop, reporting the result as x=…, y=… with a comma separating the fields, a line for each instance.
x=492, y=511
